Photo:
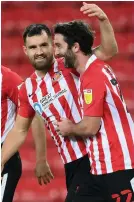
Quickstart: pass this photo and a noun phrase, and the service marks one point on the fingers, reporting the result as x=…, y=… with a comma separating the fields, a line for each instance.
x=45, y=178
x=88, y=6
x=39, y=180
x=88, y=11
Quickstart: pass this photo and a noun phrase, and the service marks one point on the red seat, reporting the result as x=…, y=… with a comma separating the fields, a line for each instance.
x=29, y=190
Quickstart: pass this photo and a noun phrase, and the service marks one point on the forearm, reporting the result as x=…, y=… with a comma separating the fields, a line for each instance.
x=81, y=129
x=87, y=127
x=12, y=144
x=39, y=136
x=108, y=41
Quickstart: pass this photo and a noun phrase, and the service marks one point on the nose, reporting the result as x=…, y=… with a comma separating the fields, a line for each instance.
x=39, y=51
x=57, y=53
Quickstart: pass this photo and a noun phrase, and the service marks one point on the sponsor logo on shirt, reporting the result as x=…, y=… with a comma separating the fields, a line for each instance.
x=57, y=76
x=88, y=96
x=49, y=98
x=38, y=108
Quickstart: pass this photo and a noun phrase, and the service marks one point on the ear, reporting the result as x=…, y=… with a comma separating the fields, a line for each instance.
x=76, y=47
x=25, y=49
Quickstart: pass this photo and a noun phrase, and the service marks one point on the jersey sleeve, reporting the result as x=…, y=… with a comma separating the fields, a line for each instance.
x=13, y=81
x=94, y=96
x=25, y=110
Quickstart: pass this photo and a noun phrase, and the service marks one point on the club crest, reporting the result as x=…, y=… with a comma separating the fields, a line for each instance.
x=88, y=96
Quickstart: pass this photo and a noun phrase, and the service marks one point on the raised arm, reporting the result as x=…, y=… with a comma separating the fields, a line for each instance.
x=42, y=170
x=108, y=47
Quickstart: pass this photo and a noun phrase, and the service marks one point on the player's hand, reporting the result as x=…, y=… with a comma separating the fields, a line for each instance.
x=43, y=172
x=93, y=10
x=64, y=127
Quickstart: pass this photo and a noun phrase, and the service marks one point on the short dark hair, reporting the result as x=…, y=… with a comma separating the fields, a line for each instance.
x=76, y=31
x=35, y=29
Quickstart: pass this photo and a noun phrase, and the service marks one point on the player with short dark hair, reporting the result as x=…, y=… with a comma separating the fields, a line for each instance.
x=78, y=31
x=35, y=29
x=52, y=91
x=106, y=120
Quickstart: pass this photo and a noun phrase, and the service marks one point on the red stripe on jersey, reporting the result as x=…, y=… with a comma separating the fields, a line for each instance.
x=56, y=135
x=67, y=110
x=101, y=153
x=117, y=146
x=72, y=87
x=93, y=166
x=34, y=86
x=111, y=74
x=114, y=134
x=125, y=126
x=56, y=98
x=54, y=110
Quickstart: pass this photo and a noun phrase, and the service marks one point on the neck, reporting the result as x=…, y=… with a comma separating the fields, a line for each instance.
x=42, y=73
x=82, y=60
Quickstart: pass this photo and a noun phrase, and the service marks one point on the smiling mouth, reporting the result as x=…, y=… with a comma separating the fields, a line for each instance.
x=40, y=58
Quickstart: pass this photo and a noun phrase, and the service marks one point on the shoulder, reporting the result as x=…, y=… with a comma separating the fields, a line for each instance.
x=94, y=73
x=10, y=76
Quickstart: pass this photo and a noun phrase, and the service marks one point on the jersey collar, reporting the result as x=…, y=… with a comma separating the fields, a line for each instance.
x=90, y=61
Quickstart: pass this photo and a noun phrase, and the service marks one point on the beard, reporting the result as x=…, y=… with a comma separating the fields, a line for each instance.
x=42, y=63
x=70, y=59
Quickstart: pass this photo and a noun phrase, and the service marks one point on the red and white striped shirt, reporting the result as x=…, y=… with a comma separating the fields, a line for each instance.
x=9, y=100
x=55, y=96
x=112, y=148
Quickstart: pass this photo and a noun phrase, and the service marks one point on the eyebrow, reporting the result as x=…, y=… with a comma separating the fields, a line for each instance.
x=34, y=46
x=57, y=43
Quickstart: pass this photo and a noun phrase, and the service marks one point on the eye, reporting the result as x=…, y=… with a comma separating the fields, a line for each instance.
x=44, y=44
x=57, y=45
x=32, y=47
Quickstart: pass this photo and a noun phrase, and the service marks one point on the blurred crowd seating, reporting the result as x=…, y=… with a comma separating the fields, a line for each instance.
x=15, y=17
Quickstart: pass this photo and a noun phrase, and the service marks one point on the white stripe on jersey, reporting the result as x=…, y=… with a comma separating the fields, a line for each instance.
x=3, y=185
x=48, y=113
x=76, y=80
x=56, y=103
x=106, y=148
x=11, y=114
x=96, y=155
x=119, y=130
x=55, y=140
x=60, y=110
x=47, y=95
x=74, y=110
x=131, y=125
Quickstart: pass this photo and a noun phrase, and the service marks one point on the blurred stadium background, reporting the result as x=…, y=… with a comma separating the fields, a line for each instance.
x=15, y=17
